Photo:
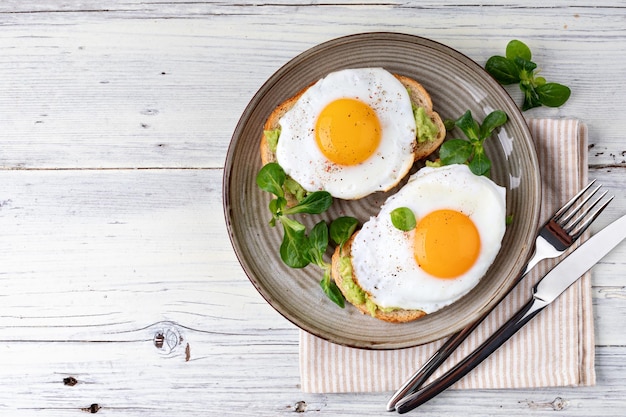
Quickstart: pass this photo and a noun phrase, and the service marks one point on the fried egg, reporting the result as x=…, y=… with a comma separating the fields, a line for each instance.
x=460, y=223
x=352, y=133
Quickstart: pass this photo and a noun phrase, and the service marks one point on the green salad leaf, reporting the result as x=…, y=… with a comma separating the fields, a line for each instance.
x=403, y=218
x=300, y=248
x=516, y=67
x=471, y=151
x=342, y=228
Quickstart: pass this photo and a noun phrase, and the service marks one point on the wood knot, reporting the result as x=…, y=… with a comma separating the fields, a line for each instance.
x=70, y=381
x=167, y=340
x=559, y=404
x=93, y=409
x=300, y=407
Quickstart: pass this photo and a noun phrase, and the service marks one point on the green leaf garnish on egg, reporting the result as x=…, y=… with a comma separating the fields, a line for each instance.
x=403, y=218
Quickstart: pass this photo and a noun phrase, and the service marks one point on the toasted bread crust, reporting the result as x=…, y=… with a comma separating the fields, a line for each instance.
x=419, y=96
x=395, y=316
x=272, y=123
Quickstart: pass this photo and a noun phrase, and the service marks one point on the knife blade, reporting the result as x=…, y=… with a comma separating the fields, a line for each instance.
x=545, y=291
x=587, y=255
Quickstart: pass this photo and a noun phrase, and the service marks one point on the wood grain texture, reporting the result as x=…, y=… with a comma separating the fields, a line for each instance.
x=140, y=85
x=120, y=292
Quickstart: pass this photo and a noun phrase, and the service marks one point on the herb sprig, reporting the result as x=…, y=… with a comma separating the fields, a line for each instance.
x=471, y=151
x=517, y=67
x=298, y=249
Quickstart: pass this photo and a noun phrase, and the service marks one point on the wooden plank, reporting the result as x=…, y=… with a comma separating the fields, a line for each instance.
x=120, y=293
x=92, y=255
x=172, y=95
x=244, y=378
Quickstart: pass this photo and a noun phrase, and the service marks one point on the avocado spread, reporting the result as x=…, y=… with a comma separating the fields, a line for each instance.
x=272, y=138
x=426, y=129
x=353, y=292
x=291, y=186
x=294, y=188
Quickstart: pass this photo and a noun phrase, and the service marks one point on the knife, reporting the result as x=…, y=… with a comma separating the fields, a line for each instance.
x=544, y=292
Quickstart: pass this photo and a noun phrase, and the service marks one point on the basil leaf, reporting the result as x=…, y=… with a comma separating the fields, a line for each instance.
x=332, y=291
x=292, y=224
x=553, y=94
x=503, y=70
x=494, y=119
x=403, y=218
x=480, y=164
x=459, y=151
x=271, y=179
x=277, y=205
x=294, y=249
x=518, y=67
x=468, y=125
x=449, y=124
x=455, y=151
x=516, y=49
x=342, y=228
x=318, y=240
x=314, y=203
x=531, y=98
x=525, y=65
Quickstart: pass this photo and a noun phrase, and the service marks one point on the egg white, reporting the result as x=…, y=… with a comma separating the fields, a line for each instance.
x=382, y=255
x=300, y=157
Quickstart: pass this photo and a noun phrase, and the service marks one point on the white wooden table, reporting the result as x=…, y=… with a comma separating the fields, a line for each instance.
x=119, y=290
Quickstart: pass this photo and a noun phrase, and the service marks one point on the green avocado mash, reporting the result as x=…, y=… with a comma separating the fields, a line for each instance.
x=426, y=129
x=291, y=186
x=355, y=294
x=295, y=188
x=272, y=138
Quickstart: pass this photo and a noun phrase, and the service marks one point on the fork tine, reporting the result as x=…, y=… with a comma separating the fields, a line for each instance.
x=570, y=203
x=578, y=207
x=569, y=226
x=582, y=227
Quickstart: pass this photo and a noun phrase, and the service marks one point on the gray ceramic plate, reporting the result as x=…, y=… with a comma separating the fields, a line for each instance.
x=456, y=84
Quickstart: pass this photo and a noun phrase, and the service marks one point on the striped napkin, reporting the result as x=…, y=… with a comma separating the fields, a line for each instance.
x=556, y=348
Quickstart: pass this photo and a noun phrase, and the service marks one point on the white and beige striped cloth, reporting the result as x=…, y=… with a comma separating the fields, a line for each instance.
x=555, y=349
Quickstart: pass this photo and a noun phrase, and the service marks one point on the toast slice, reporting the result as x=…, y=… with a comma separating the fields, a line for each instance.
x=419, y=97
x=392, y=316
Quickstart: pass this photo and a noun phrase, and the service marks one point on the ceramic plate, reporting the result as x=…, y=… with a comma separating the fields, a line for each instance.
x=456, y=84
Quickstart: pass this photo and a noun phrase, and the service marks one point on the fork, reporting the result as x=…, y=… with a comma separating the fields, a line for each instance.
x=557, y=235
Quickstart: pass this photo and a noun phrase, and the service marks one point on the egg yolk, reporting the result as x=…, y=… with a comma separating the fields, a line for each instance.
x=446, y=243
x=347, y=131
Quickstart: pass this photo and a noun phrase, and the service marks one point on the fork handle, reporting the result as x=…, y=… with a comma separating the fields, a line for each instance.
x=497, y=339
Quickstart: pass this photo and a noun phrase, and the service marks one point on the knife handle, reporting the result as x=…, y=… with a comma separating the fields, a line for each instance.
x=497, y=339
x=447, y=348
x=435, y=361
